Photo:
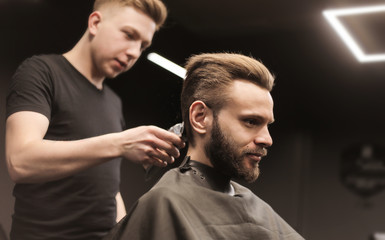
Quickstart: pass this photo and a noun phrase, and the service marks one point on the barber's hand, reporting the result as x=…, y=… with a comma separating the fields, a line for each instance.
x=150, y=145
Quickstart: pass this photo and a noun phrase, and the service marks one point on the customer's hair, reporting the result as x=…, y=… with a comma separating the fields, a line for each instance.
x=208, y=76
x=155, y=9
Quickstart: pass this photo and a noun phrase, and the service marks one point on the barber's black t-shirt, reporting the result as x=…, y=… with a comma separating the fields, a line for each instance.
x=82, y=206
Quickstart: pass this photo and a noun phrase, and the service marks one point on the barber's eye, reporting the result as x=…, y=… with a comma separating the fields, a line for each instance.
x=128, y=35
x=143, y=47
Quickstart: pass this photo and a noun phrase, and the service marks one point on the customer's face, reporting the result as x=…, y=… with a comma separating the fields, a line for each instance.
x=240, y=134
x=119, y=39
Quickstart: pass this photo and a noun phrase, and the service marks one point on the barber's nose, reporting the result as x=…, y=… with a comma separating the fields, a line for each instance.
x=263, y=138
x=134, y=49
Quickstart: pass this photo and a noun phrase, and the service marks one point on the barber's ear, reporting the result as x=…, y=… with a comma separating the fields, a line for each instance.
x=200, y=117
x=93, y=21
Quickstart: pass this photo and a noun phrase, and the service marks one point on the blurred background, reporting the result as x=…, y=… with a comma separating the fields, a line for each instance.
x=325, y=174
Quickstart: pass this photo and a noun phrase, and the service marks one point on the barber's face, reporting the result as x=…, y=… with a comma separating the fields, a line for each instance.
x=239, y=134
x=119, y=38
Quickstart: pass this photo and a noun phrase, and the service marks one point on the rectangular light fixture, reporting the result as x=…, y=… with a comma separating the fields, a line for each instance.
x=378, y=236
x=332, y=16
x=167, y=64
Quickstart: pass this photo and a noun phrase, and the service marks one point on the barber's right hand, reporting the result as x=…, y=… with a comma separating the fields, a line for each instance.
x=150, y=145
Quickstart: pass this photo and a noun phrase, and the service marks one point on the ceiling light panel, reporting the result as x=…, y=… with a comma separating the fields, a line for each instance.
x=333, y=16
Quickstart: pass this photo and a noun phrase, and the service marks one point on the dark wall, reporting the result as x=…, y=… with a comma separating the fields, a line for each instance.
x=6, y=185
x=331, y=210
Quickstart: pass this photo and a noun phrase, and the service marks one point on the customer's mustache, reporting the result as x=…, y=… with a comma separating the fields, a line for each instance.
x=262, y=152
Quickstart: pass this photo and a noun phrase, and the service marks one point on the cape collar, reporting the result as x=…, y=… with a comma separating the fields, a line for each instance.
x=207, y=176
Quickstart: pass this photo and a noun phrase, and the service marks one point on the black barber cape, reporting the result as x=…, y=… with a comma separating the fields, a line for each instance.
x=192, y=202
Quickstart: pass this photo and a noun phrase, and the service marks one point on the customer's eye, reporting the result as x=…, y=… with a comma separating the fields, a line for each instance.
x=251, y=122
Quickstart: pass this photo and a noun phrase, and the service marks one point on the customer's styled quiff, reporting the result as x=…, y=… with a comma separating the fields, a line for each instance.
x=155, y=9
x=208, y=76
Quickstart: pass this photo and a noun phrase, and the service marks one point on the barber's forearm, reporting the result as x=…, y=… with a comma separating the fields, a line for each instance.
x=45, y=160
x=120, y=207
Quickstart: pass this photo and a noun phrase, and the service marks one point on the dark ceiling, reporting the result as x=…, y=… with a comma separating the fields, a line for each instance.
x=320, y=86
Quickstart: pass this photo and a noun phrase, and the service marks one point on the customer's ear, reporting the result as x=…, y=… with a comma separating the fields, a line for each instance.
x=200, y=117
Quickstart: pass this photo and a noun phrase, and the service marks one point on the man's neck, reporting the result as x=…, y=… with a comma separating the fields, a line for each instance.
x=198, y=154
x=80, y=58
x=209, y=176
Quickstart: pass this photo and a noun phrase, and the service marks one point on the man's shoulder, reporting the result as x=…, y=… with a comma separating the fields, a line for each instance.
x=42, y=61
x=44, y=58
x=250, y=196
x=240, y=189
x=174, y=186
x=170, y=183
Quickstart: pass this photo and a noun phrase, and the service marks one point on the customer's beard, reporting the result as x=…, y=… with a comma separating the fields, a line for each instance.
x=225, y=157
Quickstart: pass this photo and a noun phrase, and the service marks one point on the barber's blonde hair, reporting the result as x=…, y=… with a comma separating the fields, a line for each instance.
x=208, y=76
x=155, y=9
